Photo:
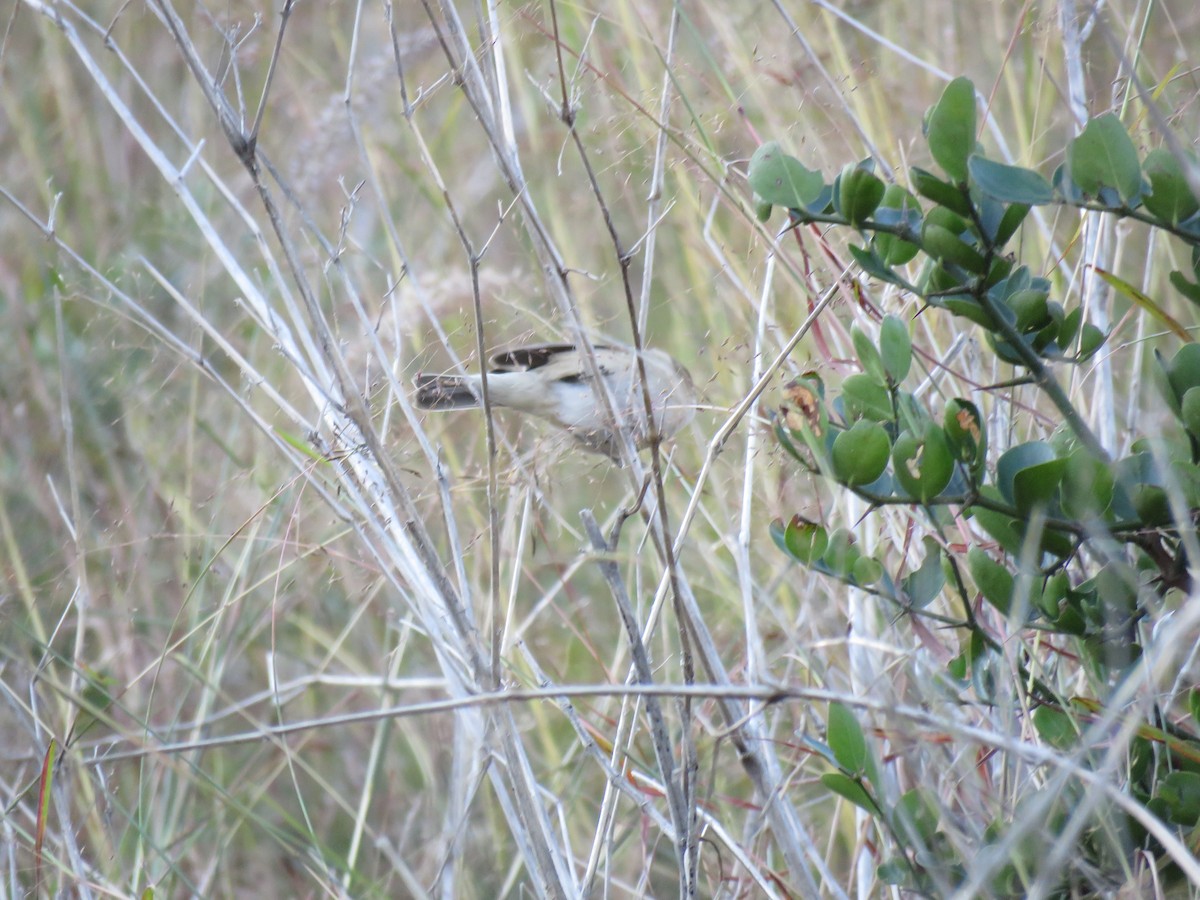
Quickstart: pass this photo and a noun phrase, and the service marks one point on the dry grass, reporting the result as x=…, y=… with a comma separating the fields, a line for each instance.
x=219, y=511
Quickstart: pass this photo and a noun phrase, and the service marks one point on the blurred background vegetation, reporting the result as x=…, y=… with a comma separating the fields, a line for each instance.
x=181, y=561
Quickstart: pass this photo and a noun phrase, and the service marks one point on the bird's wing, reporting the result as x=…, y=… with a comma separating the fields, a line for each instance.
x=532, y=356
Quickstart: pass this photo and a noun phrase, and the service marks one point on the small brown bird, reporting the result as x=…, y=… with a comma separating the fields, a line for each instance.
x=554, y=382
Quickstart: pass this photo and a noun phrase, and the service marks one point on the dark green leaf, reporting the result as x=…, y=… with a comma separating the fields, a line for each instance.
x=841, y=554
x=893, y=871
x=915, y=817
x=948, y=219
x=1003, y=529
x=895, y=347
x=1107, y=658
x=969, y=308
x=866, y=398
x=1181, y=792
x=859, y=193
x=898, y=209
x=1087, y=486
x=876, y=267
x=1030, y=309
x=925, y=583
x=1103, y=156
x=1013, y=216
x=1170, y=199
x=923, y=464
x=780, y=179
x=940, y=192
x=866, y=571
x=943, y=244
x=868, y=354
x=1160, y=374
x=1152, y=504
x=860, y=453
x=850, y=789
x=1183, y=371
x=1055, y=727
x=959, y=667
x=1053, y=592
x=950, y=128
x=1189, y=289
x=1002, y=266
x=1116, y=587
x=845, y=738
x=1020, y=457
x=1070, y=327
x=991, y=213
x=1090, y=340
x=801, y=539
x=1190, y=409
x=1036, y=486
x=993, y=580
x=1009, y=184
x=1004, y=349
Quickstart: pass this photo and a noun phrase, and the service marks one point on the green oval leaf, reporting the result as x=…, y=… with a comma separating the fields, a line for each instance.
x=1189, y=289
x=841, y=554
x=943, y=244
x=859, y=194
x=970, y=308
x=850, y=789
x=925, y=583
x=1183, y=371
x=868, y=354
x=922, y=464
x=1009, y=184
x=1003, y=349
x=948, y=219
x=1009, y=223
x=1087, y=486
x=899, y=208
x=915, y=817
x=1037, y=486
x=1170, y=199
x=1152, y=504
x=994, y=581
x=802, y=540
x=1091, y=339
x=1052, y=595
x=1029, y=308
x=866, y=570
x=950, y=128
x=1180, y=791
x=1103, y=156
x=895, y=347
x=782, y=180
x=1020, y=457
x=864, y=397
x=1190, y=409
x=845, y=738
x=1055, y=727
x=860, y=453
x=874, y=266
x=940, y=192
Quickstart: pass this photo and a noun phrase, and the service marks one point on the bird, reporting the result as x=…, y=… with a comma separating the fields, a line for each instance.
x=555, y=382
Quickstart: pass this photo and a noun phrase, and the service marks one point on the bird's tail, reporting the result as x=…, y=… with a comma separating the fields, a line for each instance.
x=444, y=392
